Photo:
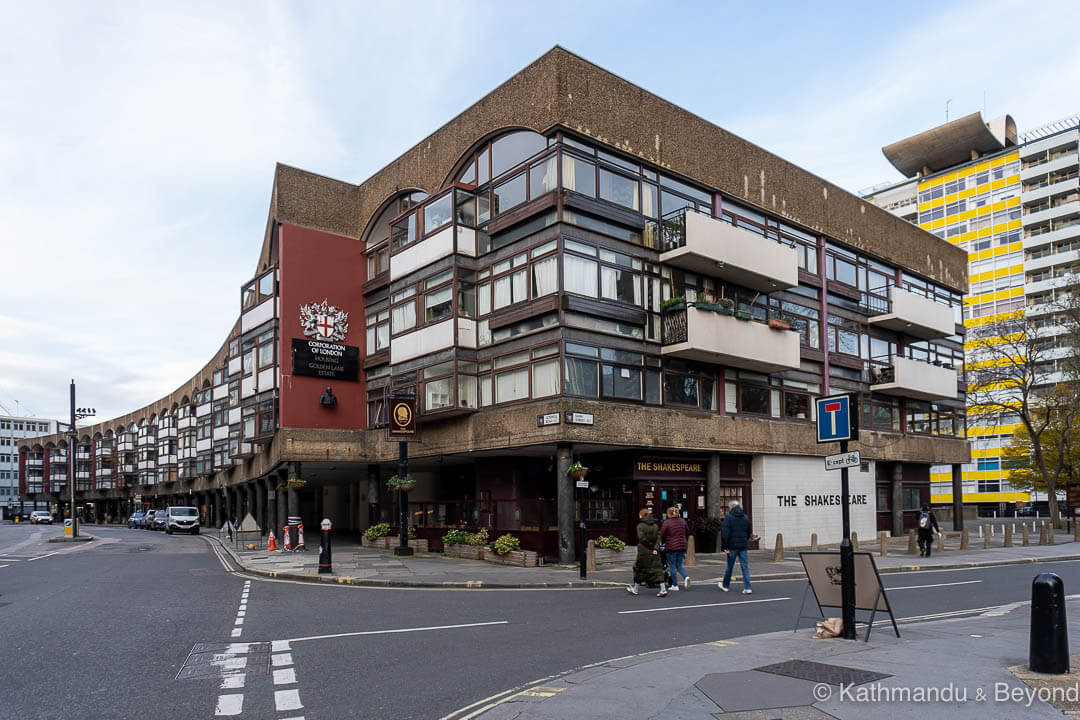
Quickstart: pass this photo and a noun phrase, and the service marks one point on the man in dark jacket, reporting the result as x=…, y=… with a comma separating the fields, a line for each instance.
x=927, y=527
x=735, y=539
x=648, y=570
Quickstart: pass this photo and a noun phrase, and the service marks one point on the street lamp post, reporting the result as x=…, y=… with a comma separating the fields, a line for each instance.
x=73, y=439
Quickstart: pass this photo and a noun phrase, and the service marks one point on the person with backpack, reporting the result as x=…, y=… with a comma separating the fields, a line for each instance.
x=927, y=527
x=673, y=534
x=648, y=570
x=735, y=540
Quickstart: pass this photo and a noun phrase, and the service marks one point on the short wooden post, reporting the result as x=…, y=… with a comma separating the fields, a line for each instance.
x=883, y=541
x=590, y=556
x=813, y=541
x=691, y=553
x=1076, y=530
x=778, y=549
x=940, y=542
x=986, y=541
x=1026, y=540
x=1008, y=535
x=964, y=539
x=912, y=543
x=854, y=541
x=1042, y=534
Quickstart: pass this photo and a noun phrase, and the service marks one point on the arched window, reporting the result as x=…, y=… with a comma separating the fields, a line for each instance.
x=377, y=236
x=494, y=158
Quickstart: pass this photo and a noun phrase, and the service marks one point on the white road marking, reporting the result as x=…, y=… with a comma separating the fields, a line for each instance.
x=399, y=630
x=240, y=648
x=239, y=621
x=279, y=646
x=235, y=632
x=287, y=700
x=285, y=677
x=230, y=704
x=232, y=682
x=707, y=605
x=3, y=566
x=241, y=613
x=42, y=556
x=915, y=587
x=281, y=659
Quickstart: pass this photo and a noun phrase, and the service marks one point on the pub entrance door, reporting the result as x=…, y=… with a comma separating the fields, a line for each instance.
x=661, y=495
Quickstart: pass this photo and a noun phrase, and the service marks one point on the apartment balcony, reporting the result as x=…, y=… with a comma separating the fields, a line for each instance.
x=166, y=432
x=103, y=451
x=105, y=472
x=1052, y=213
x=185, y=422
x=126, y=445
x=127, y=468
x=1059, y=163
x=914, y=315
x=714, y=337
x=81, y=454
x=1048, y=261
x=914, y=379
x=701, y=244
x=35, y=462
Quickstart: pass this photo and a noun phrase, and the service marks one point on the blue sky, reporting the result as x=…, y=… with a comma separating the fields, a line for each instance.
x=138, y=140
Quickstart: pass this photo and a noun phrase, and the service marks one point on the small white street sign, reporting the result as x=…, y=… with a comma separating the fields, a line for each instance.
x=842, y=460
x=582, y=484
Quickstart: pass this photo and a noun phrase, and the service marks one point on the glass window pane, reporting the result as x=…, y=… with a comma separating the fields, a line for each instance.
x=437, y=214
x=266, y=284
x=618, y=189
x=545, y=378
x=620, y=382
x=437, y=304
x=545, y=276
x=680, y=389
x=403, y=317
x=754, y=399
x=580, y=377
x=579, y=275
x=579, y=175
x=510, y=194
x=437, y=394
x=620, y=285
x=509, y=150
x=512, y=385
x=543, y=177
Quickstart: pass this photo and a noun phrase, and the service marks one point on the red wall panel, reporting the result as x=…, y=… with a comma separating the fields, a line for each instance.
x=317, y=266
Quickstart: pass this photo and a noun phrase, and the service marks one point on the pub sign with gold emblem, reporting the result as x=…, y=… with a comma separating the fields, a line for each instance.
x=402, y=418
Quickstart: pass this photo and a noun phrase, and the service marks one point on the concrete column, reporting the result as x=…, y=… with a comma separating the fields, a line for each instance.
x=957, y=498
x=271, y=505
x=372, y=496
x=249, y=490
x=713, y=505
x=293, y=499
x=282, y=508
x=564, y=493
x=226, y=505
x=259, y=488
x=896, y=487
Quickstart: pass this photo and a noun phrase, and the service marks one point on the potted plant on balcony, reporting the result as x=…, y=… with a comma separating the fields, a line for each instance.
x=743, y=315
x=780, y=323
x=577, y=471
x=673, y=304
x=401, y=483
x=726, y=306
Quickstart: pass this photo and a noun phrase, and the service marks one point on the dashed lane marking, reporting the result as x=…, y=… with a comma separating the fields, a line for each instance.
x=286, y=676
x=281, y=659
x=287, y=700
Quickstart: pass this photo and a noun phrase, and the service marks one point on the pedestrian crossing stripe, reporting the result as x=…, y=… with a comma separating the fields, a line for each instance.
x=723, y=643
x=541, y=691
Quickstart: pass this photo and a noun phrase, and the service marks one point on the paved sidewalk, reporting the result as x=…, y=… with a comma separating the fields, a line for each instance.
x=357, y=565
x=955, y=668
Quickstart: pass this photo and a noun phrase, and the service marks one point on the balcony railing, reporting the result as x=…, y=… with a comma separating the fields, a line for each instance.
x=909, y=313
x=694, y=241
x=715, y=336
x=916, y=379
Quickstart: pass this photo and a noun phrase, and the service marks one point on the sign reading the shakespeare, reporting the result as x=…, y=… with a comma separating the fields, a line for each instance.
x=669, y=468
x=402, y=418
x=318, y=358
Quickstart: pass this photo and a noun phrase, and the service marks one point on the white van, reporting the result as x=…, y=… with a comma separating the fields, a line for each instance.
x=182, y=519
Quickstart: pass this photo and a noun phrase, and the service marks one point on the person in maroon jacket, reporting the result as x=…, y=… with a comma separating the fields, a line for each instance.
x=673, y=535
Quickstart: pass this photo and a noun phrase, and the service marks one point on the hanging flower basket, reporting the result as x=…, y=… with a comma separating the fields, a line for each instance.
x=578, y=471
x=406, y=484
x=296, y=483
x=779, y=324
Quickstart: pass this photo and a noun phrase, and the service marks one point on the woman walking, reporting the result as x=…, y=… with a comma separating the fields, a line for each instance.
x=673, y=534
x=647, y=569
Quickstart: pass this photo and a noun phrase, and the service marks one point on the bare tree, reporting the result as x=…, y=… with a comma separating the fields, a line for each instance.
x=1025, y=367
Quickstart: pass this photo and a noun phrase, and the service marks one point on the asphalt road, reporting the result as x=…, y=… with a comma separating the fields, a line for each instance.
x=103, y=630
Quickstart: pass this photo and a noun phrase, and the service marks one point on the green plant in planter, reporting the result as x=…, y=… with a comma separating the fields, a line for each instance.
x=411, y=532
x=610, y=542
x=296, y=482
x=377, y=531
x=398, y=483
x=727, y=306
x=743, y=315
x=505, y=544
x=456, y=537
x=577, y=470
x=673, y=304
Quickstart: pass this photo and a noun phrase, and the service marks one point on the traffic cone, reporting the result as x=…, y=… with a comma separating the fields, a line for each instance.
x=288, y=545
x=272, y=547
x=300, y=537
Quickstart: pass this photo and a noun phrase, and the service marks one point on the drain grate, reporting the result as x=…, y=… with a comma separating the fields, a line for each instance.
x=218, y=660
x=822, y=673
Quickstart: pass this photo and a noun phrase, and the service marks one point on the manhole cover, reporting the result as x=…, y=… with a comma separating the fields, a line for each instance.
x=822, y=673
x=219, y=660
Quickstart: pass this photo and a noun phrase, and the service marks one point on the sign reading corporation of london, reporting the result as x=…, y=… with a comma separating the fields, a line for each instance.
x=323, y=356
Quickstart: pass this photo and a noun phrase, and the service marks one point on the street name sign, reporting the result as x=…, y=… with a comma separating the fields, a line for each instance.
x=843, y=460
x=582, y=484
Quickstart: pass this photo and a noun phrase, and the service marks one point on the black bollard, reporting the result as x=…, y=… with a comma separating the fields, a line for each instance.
x=1048, y=650
x=325, y=565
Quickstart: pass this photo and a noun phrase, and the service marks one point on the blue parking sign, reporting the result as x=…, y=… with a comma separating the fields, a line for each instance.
x=837, y=418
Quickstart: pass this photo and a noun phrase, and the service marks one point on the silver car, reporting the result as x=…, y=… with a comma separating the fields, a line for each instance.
x=182, y=519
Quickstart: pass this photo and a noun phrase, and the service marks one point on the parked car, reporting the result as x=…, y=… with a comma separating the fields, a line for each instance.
x=1026, y=511
x=158, y=521
x=41, y=517
x=135, y=520
x=182, y=519
x=148, y=517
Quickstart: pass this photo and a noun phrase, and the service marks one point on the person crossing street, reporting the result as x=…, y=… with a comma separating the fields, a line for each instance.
x=735, y=539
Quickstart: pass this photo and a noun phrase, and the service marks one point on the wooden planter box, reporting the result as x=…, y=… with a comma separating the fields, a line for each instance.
x=389, y=542
x=607, y=555
x=520, y=558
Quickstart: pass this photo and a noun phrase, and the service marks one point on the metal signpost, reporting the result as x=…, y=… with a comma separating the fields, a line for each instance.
x=838, y=421
x=402, y=427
